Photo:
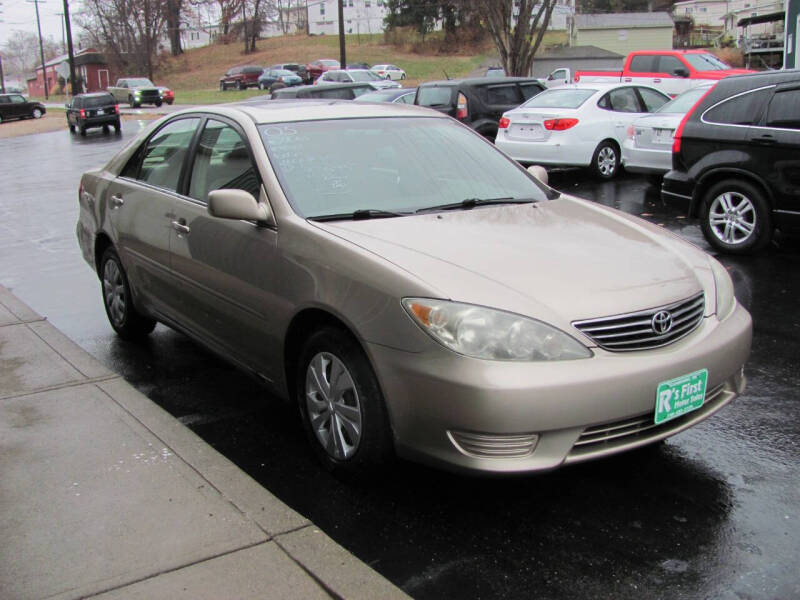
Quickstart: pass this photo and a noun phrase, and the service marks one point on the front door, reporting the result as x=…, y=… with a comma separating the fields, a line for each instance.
x=226, y=267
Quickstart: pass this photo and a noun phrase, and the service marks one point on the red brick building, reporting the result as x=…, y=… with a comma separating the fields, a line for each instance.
x=90, y=66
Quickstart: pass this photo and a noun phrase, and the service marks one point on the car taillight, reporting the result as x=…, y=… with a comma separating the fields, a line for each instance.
x=461, y=107
x=116, y=108
x=676, y=140
x=559, y=124
x=577, y=78
x=83, y=114
x=630, y=132
x=504, y=123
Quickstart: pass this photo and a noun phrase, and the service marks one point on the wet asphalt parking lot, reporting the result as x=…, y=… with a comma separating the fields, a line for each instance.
x=711, y=513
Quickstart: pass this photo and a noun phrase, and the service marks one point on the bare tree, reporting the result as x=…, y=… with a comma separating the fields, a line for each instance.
x=128, y=30
x=516, y=33
x=21, y=53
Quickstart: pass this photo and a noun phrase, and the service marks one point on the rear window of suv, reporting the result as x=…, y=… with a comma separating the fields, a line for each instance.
x=744, y=109
x=434, y=96
x=93, y=101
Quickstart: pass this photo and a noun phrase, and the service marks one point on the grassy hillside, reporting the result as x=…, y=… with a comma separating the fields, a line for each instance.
x=198, y=71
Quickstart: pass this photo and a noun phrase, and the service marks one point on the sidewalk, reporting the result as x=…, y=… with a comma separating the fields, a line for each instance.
x=103, y=494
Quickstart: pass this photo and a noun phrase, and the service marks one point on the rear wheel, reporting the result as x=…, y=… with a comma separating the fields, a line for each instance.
x=117, y=126
x=82, y=129
x=122, y=314
x=71, y=127
x=158, y=103
x=341, y=405
x=241, y=86
x=605, y=162
x=735, y=217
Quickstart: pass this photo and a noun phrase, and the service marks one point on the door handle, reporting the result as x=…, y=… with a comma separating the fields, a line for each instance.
x=763, y=140
x=116, y=201
x=181, y=227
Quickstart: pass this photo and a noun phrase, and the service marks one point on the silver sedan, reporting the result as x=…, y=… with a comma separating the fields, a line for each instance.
x=413, y=290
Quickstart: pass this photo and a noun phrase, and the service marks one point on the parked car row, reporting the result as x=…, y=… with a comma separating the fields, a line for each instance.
x=275, y=76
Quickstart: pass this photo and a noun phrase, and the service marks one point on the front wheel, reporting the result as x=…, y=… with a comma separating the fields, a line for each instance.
x=36, y=113
x=158, y=104
x=122, y=314
x=222, y=87
x=403, y=76
x=605, y=162
x=735, y=217
x=341, y=405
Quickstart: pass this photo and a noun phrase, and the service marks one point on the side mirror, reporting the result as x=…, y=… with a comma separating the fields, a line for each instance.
x=681, y=72
x=239, y=205
x=66, y=105
x=539, y=172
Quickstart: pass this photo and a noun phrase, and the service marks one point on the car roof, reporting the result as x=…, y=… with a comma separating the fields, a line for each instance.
x=312, y=109
x=477, y=81
x=92, y=94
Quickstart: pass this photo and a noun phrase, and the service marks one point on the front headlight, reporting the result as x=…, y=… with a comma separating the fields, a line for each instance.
x=137, y=93
x=724, y=286
x=492, y=334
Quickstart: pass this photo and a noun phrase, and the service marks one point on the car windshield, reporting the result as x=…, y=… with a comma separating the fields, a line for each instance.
x=142, y=82
x=706, y=62
x=364, y=76
x=329, y=63
x=684, y=102
x=339, y=166
x=562, y=98
x=285, y=73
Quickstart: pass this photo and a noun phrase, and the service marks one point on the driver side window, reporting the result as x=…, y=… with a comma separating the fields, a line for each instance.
x=222, y=161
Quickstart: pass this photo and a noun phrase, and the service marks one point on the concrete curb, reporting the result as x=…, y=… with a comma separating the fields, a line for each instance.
x=64, y=417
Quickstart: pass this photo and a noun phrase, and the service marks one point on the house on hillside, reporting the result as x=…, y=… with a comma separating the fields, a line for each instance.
x=90, y=66
x=623, y=32
x=360, y=16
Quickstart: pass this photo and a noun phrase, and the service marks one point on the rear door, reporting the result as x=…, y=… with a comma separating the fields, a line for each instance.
x=141, y=210
x=778, y=142
x=226, y=267
x=673, y=75
x=499, y=98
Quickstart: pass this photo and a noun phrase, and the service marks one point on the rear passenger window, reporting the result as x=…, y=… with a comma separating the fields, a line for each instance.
x=529, y=90
x=652, y=100
x=335, y=94
x=739, y=110
x=222, y=161
x=503, y=94
x=623, y=100
x=643, y=63
x=164, y=153
x=784, y=110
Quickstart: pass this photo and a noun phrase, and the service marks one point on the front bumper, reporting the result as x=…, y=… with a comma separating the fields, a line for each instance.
x=440, y=403
x=644, y=160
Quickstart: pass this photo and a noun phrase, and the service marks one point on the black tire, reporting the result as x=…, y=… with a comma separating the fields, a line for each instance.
x=278, y=85
x=158, y=103
x=37, y=113
x=117, y=126
x=655, y=180
x=105, y=129
x=605, y=161
x=71, y=127
x=241, y=86
x=223, y=87
x=82, y=129
x=116, y=293
x=1, y=119
x=403, y=76
x=348, y=460
x=489, y=134
x=747, y=208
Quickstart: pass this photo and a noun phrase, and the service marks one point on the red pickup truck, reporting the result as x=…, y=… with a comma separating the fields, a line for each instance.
x=672, y=71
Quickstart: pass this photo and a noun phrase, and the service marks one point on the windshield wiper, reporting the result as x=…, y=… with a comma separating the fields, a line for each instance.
x=359, y=215
x=473, y=202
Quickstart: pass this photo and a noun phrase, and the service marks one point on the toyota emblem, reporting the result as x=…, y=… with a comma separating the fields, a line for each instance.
x=662, y=322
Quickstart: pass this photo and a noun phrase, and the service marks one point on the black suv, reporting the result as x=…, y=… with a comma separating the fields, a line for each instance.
x=15, y=106
x=93, y=110
x=736, y=160
x=332, y=91
x=478, y=102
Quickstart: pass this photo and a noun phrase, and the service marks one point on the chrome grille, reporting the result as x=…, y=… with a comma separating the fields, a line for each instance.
x=635, y=331
x=485, y=445
x=598, y=438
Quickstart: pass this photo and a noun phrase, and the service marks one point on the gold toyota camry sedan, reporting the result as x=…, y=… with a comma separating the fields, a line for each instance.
x=415, y=291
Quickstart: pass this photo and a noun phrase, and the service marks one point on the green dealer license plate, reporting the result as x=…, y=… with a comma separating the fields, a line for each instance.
x=681, y=395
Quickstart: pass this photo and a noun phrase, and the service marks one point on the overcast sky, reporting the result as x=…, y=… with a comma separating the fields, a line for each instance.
x=19, y=14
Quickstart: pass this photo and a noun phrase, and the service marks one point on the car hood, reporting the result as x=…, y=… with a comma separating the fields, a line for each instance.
x=559, y=260
x=142, y=88
x=721, y=74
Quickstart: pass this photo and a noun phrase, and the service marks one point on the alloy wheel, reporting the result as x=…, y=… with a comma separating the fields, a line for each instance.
x=732, y=218
x=114, y=293
x=607, y=161
x=332, y=402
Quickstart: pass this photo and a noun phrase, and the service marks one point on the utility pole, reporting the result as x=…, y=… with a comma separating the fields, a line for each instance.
x=70, y=51
x=2, y=78
x=41, y=47
x=244, y=25
x=342, y=55
x=63, y=35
